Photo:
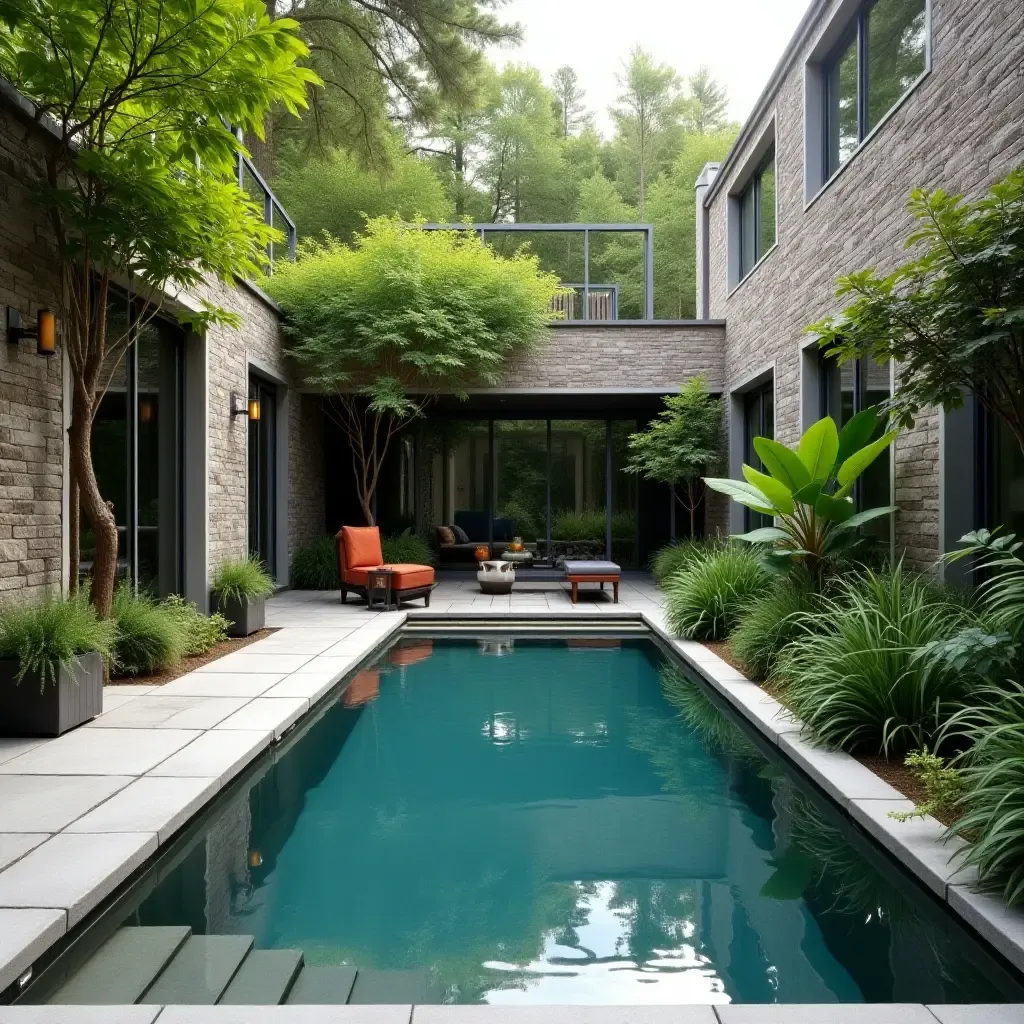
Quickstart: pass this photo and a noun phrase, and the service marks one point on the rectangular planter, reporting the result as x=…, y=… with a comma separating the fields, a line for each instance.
x=246, y=616
x=74, y=698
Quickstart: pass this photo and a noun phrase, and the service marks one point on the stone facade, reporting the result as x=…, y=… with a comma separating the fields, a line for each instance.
x=958, y=129
x=651, y=356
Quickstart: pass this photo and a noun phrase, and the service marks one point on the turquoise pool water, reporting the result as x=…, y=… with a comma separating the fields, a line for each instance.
x=562, y=822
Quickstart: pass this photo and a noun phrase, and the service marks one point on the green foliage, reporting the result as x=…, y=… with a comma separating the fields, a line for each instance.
x=237, y=579
x=336, y=194
x=807, y=491
x=770, y=621
x=590, y=525
x=944, y=786
x=952, y=316
x=705, y=600
x=992, y=769
x=678, y=555
x=315, y=566
x=200, y=632
x=406, y=548
x=52, y=633
x=149, y=636
x=853, y=675
x=680, y=445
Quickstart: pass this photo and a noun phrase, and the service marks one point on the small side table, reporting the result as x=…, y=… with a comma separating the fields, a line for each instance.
x=378, y=588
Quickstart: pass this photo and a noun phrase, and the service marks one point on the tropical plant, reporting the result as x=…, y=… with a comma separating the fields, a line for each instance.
x=399, y=317
x=51, y=634
x=853, y=674
x=951, y=317
x=149, y=635
x=681, y=444
x=770, y=621
x=407, y=548
x=139, y=180
x=240, y=579
x=679, y=554
x=315, y=566
x=705, y=600
x=200, y=632
x=808, y=491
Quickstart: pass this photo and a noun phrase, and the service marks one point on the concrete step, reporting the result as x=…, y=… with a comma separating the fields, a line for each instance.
x=123, y=968
x=264, y=979
x=201, y=971
x=329, y=986
x=375, y=987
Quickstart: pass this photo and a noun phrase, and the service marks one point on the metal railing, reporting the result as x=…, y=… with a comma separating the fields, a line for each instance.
x=271, y=206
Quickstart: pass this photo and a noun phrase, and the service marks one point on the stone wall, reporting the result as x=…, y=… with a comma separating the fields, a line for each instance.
x=32, y=438
x=651, y=356
x=960, y=129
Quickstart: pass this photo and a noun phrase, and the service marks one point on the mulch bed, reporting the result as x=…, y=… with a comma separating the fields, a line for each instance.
x=187, y=665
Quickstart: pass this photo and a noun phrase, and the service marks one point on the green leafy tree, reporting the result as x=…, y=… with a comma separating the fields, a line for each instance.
x=139, y=181
x=569, y=105
x=808, y=491
x=953, y=316
x=681, y=444
x=707, y=104
x=400, y=317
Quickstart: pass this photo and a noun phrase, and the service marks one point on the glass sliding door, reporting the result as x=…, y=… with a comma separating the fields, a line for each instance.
x=579, y=499
x=758, y=421
x=263, y=472
x=521, y=496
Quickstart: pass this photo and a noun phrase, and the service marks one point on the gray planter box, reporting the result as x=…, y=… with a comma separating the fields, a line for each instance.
x=26, y=709
x=246, y=616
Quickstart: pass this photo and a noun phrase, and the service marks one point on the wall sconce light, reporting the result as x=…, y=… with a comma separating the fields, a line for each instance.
x=239, y=406
x=44, y=331
x=145, y=410
x=254, y=408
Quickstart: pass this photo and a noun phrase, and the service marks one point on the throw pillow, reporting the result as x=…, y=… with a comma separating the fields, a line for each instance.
x=460, y=534
x=445, y=535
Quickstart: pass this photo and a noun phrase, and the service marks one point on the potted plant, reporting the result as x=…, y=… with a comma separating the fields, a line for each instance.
x=240, y=591
x=52, y=667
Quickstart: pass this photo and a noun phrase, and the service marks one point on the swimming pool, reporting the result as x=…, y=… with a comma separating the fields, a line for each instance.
x=514, y=819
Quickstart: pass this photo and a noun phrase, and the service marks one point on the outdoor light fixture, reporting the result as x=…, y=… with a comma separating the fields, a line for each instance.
x=44, y=331
x=254, y=408
x=239, y=407
x=145, y=410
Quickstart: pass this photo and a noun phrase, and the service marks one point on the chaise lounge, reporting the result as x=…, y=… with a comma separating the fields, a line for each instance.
x=359, y=553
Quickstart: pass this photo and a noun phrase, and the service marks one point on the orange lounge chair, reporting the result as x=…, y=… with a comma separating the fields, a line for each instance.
x=359, y=552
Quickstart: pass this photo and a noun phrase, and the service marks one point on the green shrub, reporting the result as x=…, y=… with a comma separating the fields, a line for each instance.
x=854, y=676
x=315, y=566
x=408, y=548
x=240, y=578
x=943, y=785
x=770, y=621
x=149, y=636
x=54, y=632
x=678, y=555
x=590, y=525
x=201, y=632
x=704, y=600
x=992, y=770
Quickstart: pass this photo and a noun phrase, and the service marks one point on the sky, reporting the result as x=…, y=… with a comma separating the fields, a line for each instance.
x=740, y=40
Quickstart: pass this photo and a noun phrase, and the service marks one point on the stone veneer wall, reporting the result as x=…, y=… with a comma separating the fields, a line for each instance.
x=31, y=386
x=959, y=129
x=622, y=356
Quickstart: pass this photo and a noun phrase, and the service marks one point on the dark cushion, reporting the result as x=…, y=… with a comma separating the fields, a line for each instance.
x=461, y=537
x=445, y=535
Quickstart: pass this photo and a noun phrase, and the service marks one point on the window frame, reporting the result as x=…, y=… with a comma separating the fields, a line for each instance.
x=755, y=188
x=760, y=156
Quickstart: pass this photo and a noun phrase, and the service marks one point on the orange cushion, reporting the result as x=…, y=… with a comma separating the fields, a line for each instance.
x=362, y=546
x=404, y=577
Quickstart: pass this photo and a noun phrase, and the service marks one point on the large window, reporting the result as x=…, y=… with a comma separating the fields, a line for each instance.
x=879, y=58
x=1001, y=494
x=263, y=473
x=758, y=421
x=756, y=205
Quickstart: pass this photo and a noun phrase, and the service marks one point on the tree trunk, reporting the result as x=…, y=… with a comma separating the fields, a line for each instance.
x=74, y=532
x=99, y=512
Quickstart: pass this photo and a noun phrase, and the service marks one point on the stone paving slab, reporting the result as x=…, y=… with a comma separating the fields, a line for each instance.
x=74, y=873
x=564, y=1015
x=14, y=845
x=284, y=1015
x=276, y=714
x=48, y=803
x=989, y=1013
x=78, y=1014
x=223, y=684
x=169, y=711
x=992, y=918
x=218, y=755
x=829, y=1013
x=150, y=804
x=24, y=935
x=13, y=746
x=844, y=778
x=243, y=661
x=114, y=752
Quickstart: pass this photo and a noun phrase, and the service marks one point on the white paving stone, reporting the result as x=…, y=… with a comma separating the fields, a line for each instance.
x=993, y=919
x=242, y=661
x=114, y=752
x=277, y=714
x=919, y=843
x=979, y=1013
x=14, y=845
x=134, y=689
x=112, y=701
x=564, y=1015
x=150, y=804
x=47, y=803
x=828, y=1013
x=760, y=709
x=78, y=1014
x=218, y=755
x=25, y=935
x=223, y=684
x=13, y=746
x=286, y=1015
x=170, y=711
x=841, y=776
x=74, y=872
x=291, y=644
x=310, y=685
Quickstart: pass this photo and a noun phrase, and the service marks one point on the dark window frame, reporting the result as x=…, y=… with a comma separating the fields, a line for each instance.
x=755, y=188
